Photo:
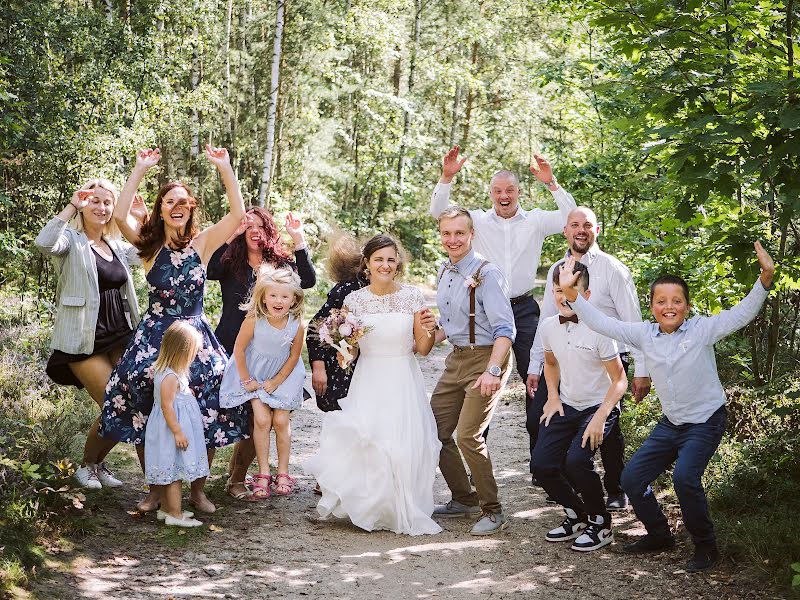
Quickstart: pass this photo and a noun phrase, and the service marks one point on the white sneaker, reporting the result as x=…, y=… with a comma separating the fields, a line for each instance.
x=170, y=520
x=571, y=527
x=106, y=477
x=598, y=533
x=161, y=515
x=87, y=477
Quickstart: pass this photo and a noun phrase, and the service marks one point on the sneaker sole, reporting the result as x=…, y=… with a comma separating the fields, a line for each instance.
x=605, y=542
x=455, y=515
x=502, y=527
x=574, y=536
x=90, y=487
x=112, y=485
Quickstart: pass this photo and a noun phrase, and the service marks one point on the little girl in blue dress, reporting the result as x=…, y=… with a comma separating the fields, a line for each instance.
x=176, y=450
x=266, y=370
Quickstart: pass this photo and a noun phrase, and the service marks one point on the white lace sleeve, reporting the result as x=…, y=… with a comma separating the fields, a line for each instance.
x=408, y=299
x=354, y=301
x=417, y=299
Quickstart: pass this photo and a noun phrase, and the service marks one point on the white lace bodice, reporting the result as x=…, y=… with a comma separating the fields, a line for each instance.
x=407, y=300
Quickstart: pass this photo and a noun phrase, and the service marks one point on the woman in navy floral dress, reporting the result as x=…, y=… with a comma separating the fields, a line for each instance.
x=175, y=256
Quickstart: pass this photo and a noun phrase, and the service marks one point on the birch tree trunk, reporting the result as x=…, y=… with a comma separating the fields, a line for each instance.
x=273, y=105
x=406, y=114
x=226, y=84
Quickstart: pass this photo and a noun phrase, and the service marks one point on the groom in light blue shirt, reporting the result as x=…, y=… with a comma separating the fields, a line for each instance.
x=476, y=315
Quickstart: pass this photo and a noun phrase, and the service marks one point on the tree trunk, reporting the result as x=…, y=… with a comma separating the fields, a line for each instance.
x=454, y=116
x=194, y=149
x=273, y=104
x=412, y=66
x=470, y=97
x=226, y=83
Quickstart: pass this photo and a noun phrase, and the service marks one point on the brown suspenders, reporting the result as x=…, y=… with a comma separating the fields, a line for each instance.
x=475, y=276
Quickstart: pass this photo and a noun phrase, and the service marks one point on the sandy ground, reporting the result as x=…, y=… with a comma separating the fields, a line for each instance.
x=274, y=549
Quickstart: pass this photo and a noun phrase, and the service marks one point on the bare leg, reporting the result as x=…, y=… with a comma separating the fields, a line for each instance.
x=197, y=495
x=242, y=457
x=171, y=499
x=94, y=373
x=283, y=438
x=262, y=423
x=151, y=501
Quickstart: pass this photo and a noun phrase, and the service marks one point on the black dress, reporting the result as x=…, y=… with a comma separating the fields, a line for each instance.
x=112, y=329
x=235, y=292
x=338, y=378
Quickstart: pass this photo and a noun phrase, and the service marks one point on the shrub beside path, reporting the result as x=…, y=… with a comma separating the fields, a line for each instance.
x=276, y=549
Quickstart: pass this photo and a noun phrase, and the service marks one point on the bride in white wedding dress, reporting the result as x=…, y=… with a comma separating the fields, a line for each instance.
x=377, y=458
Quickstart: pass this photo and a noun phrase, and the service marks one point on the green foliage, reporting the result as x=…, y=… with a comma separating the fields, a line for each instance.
x=678, y=122
x=37, y=424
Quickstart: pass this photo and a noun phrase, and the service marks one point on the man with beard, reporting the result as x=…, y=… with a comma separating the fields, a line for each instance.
x=614, y=293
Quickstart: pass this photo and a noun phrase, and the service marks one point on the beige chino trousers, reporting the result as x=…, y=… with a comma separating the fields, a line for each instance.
x=460, y=409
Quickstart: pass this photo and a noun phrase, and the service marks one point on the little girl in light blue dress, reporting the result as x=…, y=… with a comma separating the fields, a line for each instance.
x=267, y=371
x=175, y=447
x=266, y=353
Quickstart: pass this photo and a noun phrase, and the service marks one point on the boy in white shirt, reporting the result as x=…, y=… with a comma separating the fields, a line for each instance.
x=585, y=381
x=680, y=357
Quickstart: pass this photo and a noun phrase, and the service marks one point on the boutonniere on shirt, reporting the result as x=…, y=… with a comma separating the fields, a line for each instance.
x=473, y=280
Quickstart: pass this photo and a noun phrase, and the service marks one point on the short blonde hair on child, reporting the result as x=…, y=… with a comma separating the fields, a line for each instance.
x=179, y=347
x=268, y=275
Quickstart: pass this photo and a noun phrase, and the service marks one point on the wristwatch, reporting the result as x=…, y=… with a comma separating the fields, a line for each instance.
x=494, y=370
x=553, y=181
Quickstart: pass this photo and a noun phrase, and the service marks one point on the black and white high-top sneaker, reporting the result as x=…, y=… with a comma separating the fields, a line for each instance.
x=597, y=534
x=570, y=528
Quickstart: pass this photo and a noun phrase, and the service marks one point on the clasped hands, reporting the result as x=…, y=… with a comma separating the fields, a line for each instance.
x=251, y=385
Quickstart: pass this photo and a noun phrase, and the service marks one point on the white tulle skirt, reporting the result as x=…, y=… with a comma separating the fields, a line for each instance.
x=377, y=458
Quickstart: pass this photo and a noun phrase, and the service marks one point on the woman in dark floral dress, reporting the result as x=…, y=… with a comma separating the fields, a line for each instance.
x=175, y=255
x=329, y=380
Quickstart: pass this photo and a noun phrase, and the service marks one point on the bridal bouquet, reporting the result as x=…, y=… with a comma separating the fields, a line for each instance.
x=341, y=330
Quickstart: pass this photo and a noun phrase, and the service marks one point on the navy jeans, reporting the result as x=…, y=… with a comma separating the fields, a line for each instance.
x=690, y=447
x=612, y=451
x=564, y=468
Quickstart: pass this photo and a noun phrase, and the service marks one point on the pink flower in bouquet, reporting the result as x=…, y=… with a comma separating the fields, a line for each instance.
x=346, y=329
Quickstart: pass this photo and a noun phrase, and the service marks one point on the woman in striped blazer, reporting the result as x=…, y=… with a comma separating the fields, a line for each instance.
x=96, y=308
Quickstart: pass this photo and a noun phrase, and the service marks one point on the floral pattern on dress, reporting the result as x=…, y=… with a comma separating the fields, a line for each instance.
x=176, y=284
x=338, y=378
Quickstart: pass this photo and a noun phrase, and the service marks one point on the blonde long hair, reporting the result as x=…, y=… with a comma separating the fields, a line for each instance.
x=110, y=229
x=268, y=275
x=179, y=347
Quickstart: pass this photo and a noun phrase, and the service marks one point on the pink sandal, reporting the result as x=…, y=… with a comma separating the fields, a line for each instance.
x=284, y=484
x=260, y=485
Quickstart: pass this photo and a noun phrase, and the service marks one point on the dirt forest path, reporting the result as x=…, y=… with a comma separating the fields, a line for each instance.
x=273, y=548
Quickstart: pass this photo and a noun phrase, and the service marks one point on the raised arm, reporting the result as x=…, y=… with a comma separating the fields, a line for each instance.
x=728, y=321
x=552, y=221
x=628, y=333
x=209, y=240
x=302, y=258
x=626, y=303
x=451, y=165
x=128, y=224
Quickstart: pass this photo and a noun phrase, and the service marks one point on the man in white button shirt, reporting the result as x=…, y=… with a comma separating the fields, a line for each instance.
x=511, y=238
x=613, y=292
